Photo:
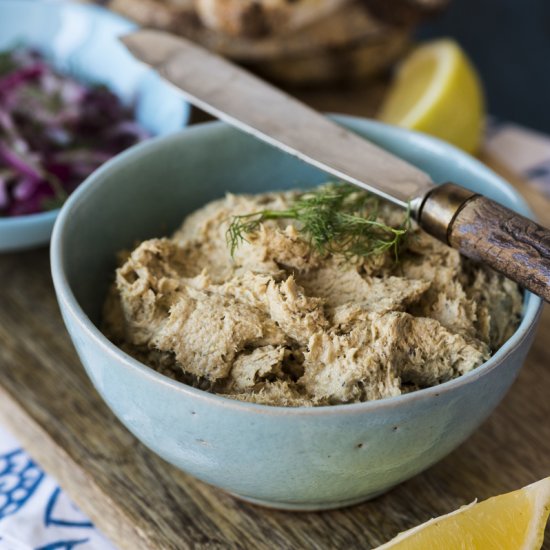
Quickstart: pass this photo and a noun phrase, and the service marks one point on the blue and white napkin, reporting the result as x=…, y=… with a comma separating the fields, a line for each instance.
x=35, y=514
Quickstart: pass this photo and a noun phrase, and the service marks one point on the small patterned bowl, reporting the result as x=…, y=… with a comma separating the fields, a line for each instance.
x=81, y=40
x=293, y=458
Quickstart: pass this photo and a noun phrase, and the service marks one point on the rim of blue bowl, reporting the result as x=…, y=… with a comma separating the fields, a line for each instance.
x=51, y=215
x=532, y=304
x=29, y=219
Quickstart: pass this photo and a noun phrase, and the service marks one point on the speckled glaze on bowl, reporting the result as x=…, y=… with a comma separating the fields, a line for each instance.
x=292, y=458
x=82, y=40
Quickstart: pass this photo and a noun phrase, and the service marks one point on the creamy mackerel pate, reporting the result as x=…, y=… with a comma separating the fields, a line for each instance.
x=280, y=324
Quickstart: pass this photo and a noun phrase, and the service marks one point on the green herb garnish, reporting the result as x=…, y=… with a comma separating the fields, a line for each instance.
x=336, y=219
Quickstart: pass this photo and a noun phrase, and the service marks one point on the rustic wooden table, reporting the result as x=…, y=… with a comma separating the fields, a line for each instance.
x=140, y=502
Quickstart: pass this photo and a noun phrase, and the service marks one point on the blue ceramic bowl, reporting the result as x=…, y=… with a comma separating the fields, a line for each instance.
x=81, y=40
x=293, y=458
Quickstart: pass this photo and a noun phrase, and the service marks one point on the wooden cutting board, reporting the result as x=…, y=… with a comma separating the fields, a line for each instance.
x=141, y=502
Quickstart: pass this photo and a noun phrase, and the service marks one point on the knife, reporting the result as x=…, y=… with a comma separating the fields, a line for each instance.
x=478, y=227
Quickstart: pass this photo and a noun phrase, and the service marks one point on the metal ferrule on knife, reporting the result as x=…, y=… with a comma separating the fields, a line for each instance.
x=440, y=206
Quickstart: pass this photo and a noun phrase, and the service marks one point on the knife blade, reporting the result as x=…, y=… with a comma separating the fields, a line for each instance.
x=245, y=101
x=478, y=227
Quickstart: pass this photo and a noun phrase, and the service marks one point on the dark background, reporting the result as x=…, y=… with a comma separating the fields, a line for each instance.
x=509, y=42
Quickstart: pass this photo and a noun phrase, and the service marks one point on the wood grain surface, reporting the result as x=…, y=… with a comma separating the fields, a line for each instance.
x=140, y=502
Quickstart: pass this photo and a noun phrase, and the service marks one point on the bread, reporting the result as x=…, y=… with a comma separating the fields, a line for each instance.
x=169, y=15
x=405, y=12
x=346, y=63
x=257, y=18
x=345, y=45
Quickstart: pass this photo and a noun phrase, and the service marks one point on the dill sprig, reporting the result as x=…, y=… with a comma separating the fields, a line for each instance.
x=336, y=218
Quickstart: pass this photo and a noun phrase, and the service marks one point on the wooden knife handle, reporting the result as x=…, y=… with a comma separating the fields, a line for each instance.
x=486, y=231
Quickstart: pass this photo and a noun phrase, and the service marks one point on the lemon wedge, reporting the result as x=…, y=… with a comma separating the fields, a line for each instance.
x=437, y=91
x=513, y=521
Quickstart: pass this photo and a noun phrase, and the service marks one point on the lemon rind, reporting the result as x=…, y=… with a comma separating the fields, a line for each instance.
x=447, y=55
x=538, y=492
